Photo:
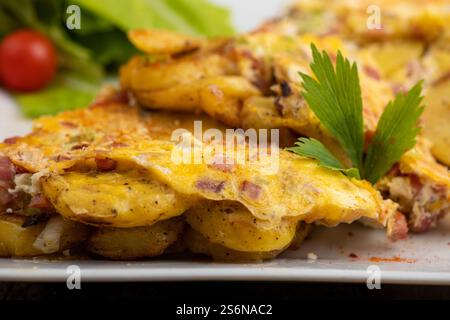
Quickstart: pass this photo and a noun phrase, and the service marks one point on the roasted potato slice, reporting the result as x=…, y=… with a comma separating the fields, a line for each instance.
x=135, y=243
x=436, y=120
x=115, y=199
x=220, y=97
x=17, y=240
x=140, y=74
x=395, y=59
x=162, y=41
x=231, y=225
x=197, y=243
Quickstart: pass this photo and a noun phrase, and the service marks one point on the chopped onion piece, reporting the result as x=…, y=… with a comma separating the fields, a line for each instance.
x=48, y=240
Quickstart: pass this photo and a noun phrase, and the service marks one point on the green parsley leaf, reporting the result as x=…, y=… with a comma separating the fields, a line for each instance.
x=335, y=98
x=396, y=133
x=312, y=148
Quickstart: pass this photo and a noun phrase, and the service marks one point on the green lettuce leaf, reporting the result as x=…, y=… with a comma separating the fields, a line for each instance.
x=67, y=93
x=195, y=17
x=101, y=45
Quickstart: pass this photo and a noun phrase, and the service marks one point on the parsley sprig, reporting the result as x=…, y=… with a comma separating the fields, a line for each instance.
x=334, y=95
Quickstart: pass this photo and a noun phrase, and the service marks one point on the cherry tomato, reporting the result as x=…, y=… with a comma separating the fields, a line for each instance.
x=28, y=61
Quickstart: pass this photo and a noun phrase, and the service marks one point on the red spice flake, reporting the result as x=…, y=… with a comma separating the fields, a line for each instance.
x=353, y=255
x=393, y=259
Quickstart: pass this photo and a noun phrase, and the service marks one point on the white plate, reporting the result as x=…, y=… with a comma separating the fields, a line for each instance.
x=423, y=259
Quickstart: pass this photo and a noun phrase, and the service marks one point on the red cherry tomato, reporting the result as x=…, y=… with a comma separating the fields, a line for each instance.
x=28, y=61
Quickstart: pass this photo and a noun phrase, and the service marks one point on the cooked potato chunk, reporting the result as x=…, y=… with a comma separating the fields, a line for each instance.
x=231, y=225
x=197, y=243
x=135, y=243
x=220, y=97
x=162, y=41
x=141, y=74
x=436, y=117
x=126, y=199
x=17, y=240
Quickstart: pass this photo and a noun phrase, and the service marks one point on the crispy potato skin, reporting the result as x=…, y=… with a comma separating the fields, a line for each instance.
x=231, y=225
x=17, y=241
x=135, y=243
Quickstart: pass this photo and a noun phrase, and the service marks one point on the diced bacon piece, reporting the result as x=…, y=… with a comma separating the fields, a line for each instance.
x=253, y=191
x=40, y=202
x=7, y=170
x=397, y=228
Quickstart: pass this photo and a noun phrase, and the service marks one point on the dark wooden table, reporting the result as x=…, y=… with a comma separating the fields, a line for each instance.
x=218, y=292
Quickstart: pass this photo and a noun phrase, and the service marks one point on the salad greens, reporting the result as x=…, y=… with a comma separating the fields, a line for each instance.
x=334, y=95
x=87, y=54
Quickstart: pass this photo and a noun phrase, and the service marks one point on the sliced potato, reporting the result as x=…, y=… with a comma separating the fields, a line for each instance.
x=142, y=74
x=436, y=120
x=16, y=240
x=393, y=58
x=220, y=97
x=135, y=243
x=197, y=243
x=125, y=199
x=231, y=225
x=162, y=41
